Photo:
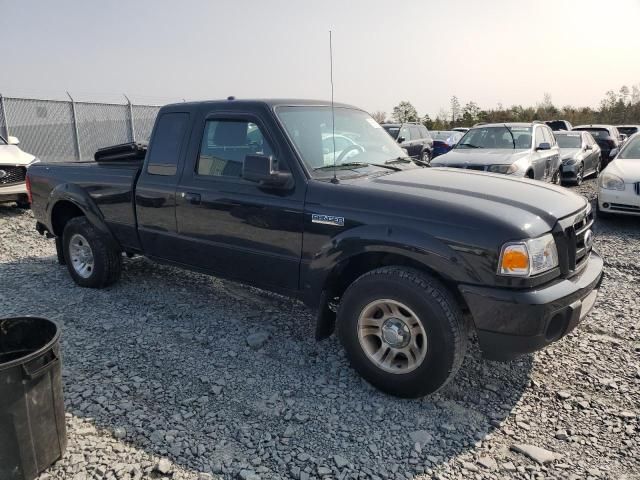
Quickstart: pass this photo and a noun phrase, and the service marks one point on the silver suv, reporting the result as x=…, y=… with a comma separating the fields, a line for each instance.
x=518, y=149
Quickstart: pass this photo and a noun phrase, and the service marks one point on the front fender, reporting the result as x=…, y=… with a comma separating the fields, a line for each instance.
x=414, y=244
x=76, y=195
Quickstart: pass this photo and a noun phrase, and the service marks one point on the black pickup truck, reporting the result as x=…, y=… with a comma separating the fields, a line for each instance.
x=325, y=207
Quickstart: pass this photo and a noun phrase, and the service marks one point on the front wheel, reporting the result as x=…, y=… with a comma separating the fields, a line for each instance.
x=579, y=175
x=555, y=178
x=402, y=331
x=91, y=261
x=426, y=157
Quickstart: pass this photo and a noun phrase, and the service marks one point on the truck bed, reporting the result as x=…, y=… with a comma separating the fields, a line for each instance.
x=110, y=185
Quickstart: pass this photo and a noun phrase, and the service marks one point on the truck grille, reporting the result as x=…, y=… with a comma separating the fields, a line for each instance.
x=574, y=240
x=9, y=175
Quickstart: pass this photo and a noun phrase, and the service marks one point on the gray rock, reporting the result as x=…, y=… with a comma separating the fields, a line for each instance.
x=488, y=462
x=537, y=454
x=421, y=436
x=163, y=466
x=257, y=340
x=340, y=461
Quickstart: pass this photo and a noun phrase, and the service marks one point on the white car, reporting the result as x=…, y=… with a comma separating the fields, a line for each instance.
x=13, y=171
x=619, y=183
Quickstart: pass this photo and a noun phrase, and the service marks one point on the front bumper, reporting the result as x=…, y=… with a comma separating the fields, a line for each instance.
x=626, y=202
x=510, y=323
x=11, y=192
x=569, y=172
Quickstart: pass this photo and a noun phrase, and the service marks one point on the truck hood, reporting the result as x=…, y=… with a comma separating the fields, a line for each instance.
x=12, y=155
x=479, y=156
x=526, y=207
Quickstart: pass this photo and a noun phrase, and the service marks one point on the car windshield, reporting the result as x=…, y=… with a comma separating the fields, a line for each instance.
x=571, y=140
x=449, y=137
x=359, y=140
x=628, y=130
x=556, y=125
x=393, y=131
x=500, y=137
x=631, y=149
x=596, y=132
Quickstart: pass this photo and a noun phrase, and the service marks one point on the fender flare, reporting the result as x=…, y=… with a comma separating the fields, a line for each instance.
x=414, y=244
x=77, y=196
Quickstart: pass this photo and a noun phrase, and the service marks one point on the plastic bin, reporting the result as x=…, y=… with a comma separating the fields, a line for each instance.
x=32, y=423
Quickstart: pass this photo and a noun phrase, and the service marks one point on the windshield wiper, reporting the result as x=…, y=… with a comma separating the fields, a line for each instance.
x=470, y=145
x=513, y=139
x=408, y=160
x=358, y=164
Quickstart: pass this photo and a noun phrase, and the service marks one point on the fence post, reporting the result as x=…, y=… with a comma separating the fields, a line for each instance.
x=4, y=116
x=75, y=125
x=131, y=124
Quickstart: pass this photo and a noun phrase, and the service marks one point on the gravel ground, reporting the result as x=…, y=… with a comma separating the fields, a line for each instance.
x=170, y=374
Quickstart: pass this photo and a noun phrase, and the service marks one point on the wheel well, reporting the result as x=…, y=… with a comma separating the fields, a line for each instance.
x=345, y=273
x=62, y=212
x=529, y=173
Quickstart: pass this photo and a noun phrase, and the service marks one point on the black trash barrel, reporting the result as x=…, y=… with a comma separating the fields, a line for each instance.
x=32, y=425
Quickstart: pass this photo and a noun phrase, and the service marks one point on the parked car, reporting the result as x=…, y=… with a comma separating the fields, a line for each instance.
x=619, y=185
x=518, y=149
x=607, y=137
x=559, y=125
x=580, y=155
x=413, y=137
x=389, y=253
x=628, y=130
x=460, y=129
x=444, y=140
x=13, y=169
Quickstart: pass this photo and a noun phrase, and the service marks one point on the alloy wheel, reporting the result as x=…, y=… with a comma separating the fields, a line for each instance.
x=392, y=336
x=81, y=255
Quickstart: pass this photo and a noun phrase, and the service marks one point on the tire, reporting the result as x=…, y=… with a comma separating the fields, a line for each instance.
x=426, y=157
x=556, y=178
x=579, y=175
x=598, y=167
x=83, y=241
x=425, y=304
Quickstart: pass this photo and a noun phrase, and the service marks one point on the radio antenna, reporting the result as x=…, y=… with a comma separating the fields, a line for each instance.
x=333, y=116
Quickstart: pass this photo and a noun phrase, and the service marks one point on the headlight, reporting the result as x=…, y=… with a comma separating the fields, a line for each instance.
x=609, y=181
x=506, y=169
x=528, y=257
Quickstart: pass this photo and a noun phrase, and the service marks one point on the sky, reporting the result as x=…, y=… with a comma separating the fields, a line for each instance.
x=424, y=51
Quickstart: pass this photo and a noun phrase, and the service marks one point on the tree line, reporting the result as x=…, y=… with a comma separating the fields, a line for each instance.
x=616, y=108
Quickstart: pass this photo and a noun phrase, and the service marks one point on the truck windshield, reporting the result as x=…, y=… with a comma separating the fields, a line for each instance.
x=359, y=140
x=497, y=137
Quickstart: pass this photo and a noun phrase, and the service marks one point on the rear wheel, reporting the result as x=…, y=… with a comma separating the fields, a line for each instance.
x=580, y=175
x=426, y=157
x=402, y=331
x=91, y=261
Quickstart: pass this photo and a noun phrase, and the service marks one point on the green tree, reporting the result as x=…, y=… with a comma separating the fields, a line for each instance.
x=455, y=109
x=405, y=112
x=427, y=122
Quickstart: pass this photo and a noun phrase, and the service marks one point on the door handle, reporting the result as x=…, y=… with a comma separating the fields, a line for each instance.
x=192, y=198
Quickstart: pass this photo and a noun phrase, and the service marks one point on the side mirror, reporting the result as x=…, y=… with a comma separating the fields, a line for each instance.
x=623, y=137
x=263, y=169
x=613, y=152
x=588, y=147
x=12, y=140
x=544, y=146
x=401, y=139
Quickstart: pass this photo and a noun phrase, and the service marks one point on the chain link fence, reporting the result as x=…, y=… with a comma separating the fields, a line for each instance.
x=65, y=131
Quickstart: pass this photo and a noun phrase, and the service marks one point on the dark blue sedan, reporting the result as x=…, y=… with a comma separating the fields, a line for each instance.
x=444, y=140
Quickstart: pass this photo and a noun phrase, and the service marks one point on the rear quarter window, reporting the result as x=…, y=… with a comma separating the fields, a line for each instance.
x=168, y=136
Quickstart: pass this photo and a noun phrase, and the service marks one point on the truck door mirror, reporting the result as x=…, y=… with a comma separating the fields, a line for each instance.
x=263, y=169
x=401, y=139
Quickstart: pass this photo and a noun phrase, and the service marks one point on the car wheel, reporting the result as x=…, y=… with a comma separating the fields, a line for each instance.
x=426, y=157
x=91, y=261
x=402, y=331
x=579, y=175
x=555, y=178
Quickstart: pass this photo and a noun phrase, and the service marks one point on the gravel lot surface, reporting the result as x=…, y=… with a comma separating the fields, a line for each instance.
x=170, y=374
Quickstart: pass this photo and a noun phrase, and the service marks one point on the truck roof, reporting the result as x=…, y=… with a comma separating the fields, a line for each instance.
x=259, y=102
